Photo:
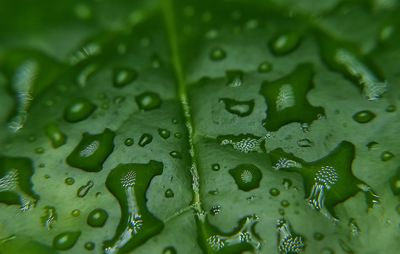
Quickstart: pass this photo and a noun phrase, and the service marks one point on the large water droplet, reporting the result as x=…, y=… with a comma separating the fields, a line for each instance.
x=92, y=151
x=78, y=110
x=122, y=76
x=66, y=240
x=363, y=116
x=148, y=101
x=97, y=218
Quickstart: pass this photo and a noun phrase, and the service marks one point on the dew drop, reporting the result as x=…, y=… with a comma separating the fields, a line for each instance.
x=66, y=240
x=122, y=76
x=76, y=213
x=274, y=192
x=69, y=181
x=217, y=54
x=215, y=167
x=285, y=203
x=178, y=135
x=372, y=145
x=148, y=101
x=264, y=67
x=175, y=154
x=164, y=133
x=363, y=116
x=39, y=150
x=327, y=250
x=84, y=189
x=284, y=43
x=246, y=176
x=89, y=245
x=169, y=250
x=31, y=138
x=386, y=155
x=169, y=193
x=56, y=136
x=145, y=139
x=390, y=108
x=128, y=141
x=78, y=110
x=97, y=217
x=318, y=236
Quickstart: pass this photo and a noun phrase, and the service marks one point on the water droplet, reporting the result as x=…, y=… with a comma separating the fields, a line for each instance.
x=284, y=43
x=84, y=189
x=90, y=245
x=128, y=141
x=327, y=250
x=281, y=211
x=390, y=108
x=97, y=217
x=318, y=236
x=164, y=133
x=39, y=150
x=213, y=192
x=217, y=54
x=174, y=120
x=169, y=250
x=286, y=99
x=49, y=217
x=265, y=67
x=175, y=154
x=246, y=176
x=122, y=76
x=386, y=155
x=31, y=138
x=234, y=77
x=215, y=167
x=76, y=213
x=178, y=135
x=66, y=240
x=305, y=142
x=244, y=143
x=287, y=183
x=215, y=210
x=69, y=181
x=395, y=183
x=288, y=240
x=372, y=145
x=56, y=136
x=169, y=193
x=78, y=110
x=240, y=108
x=148, y=101
x=364, y=116
x=285, y=203
x=145, y=139
x=92, y=151
x=274, y=192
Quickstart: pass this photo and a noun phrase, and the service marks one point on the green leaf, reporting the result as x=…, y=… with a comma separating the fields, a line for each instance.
x=199, y=126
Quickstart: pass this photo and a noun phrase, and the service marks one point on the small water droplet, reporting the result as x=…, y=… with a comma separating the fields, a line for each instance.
x=217, y=54
x=97, y=217
x=265, y=67
x=164, y=133
x=69, y=181
x=169, y=193
x=84, y=189
x=215, y=167
x=285, y=203
x=390, y=108
x=386, y=155
x=122, y=76
x=363, y=116
x=31, y=138
x=213, y=192
x=305, y=142
x=239, y=108
x=169, y=250
x=90, y=245
x=284, y=43
x=128, y=141
x=76, y=213
x=372, y=145
x=66, y=240
x=78, y=110
x=318, y=236
x=148, y=101
x=287, y=183
x=274, y=192
x=39, y=150
x=281, y=211
x=145, y=139
x=327, y=250
x=56, y=136
x=175, y=154
x=178, y=135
